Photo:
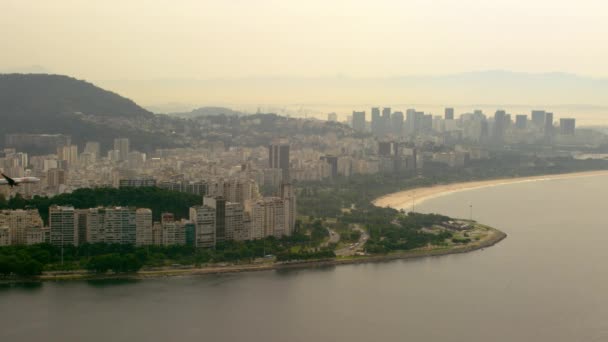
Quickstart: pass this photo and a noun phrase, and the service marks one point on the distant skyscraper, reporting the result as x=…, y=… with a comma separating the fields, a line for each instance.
x=548, y=124
x=93, y=147
x=411, y=123
x=68, y=153
x=426, y=123
x=397, y=123
x=332, y=117
x=359, y=121
x=122, y=146
x=386, y=121
x=449, y=114
x=278, y=156
x=567, y=126
x=55, y=178
x=538, y=118
x=376, y=121
x=521, y=121
x=500, y=123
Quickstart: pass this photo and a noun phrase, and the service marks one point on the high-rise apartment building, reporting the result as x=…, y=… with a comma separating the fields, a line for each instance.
x=157, y=234
x=538, y=119
x=521, y=121
x=411, y=122
x=548, y=124
x=426, y=125
x=143, y=227
x=63, y=223
x=288, y=195
x=123, y=147
x=449, y=114
x=92, y=221
x=68, y=153
x=500, y=124
x=83, y=223
x=385, y=127
x=268, y=218
x=111, y=225
x=190, y=232
x=396, y=124
x=56, y=177
x=359, y=121
x=35, y=236
x=240, y=190
x=278, y=156
x=172, y=232
x=120, y=225
x=219, y=204
x=203, y=218
x=18, y=222
x=567, y=126
x=235, y=230
x=94, y=148
x=376, y=123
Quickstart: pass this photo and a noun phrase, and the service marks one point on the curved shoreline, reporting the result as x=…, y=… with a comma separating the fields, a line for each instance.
x=396, y=200
x=416, y=196
x=493, y=238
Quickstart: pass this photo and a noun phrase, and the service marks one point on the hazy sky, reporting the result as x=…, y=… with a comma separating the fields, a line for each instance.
x=205, y=39
x=118, y=39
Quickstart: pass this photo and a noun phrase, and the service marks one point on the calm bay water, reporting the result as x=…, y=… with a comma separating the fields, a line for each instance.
x=547, y=281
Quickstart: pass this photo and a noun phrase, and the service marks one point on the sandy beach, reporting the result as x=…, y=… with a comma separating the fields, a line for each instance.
x=413, y=197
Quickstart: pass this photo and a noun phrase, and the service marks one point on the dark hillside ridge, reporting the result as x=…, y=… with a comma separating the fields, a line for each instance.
x=41, y=95
x=41, y=103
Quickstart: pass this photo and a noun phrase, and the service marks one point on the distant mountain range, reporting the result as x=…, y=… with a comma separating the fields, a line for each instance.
x=484, y=87
x=41, y=103
x=206, y=111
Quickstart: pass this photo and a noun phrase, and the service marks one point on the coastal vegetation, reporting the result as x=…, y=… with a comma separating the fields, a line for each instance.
x=118, y=258
x=156, y=199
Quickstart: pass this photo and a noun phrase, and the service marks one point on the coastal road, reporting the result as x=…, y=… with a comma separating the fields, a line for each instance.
x=352, y=249
x=334, y=237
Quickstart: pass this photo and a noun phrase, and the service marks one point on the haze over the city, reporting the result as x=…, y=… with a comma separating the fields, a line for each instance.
x=326, y=171
x=318, y=55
